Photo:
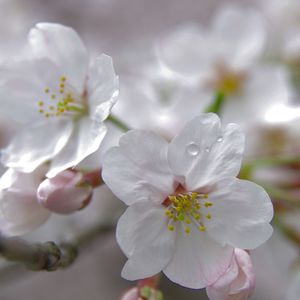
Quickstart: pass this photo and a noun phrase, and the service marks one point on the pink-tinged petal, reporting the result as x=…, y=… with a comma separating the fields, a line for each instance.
x=220, y=289
x=241, y=214
x=19, y=209
x=63, y=46
x=198, y=261
x=86, y=138
x=143, y=235
x=132, y=294
x=138, y=169
x=103, y=86
x=61, y=194
x=36, y=144
x=203, y=153
x=237, y=283
x=244, y=33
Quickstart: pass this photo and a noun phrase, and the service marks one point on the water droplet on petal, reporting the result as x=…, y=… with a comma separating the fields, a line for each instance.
x=207, y=149
x=220, y=139
x=193, y=149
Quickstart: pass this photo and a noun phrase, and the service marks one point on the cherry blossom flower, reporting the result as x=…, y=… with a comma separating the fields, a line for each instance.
x=226, y=57
x=187, y=211
x=152, y=97
x=156, y=100
x=27, y=199
x=237, y=283
x=60, y=97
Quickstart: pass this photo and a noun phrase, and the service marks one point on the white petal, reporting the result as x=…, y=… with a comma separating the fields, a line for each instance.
x=190, y=51
x=220, y=289
x=143, y=235
x=198, y=261
x=103, y=86
x=138, y=169
x=19, y=209
x=22, y=86
x=241, y=213
x=86, y=138
x=264, y=87
x=244, y=33
x=64, y=47
x=36, y=144
x=203, y=153
x=20, y=212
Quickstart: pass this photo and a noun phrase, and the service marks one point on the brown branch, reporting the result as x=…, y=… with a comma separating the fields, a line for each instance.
x=49, y=256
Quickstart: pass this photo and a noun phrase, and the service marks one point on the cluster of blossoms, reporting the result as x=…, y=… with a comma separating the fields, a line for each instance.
x=193, y=211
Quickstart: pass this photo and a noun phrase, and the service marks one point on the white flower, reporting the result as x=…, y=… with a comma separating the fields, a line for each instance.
x=225, y=58
x=238, y=282
x=187, y=210
x=156, y=100
x=62, y=99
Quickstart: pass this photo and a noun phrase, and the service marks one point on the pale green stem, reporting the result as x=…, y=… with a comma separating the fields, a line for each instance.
x=118, y=123
x=217, y=103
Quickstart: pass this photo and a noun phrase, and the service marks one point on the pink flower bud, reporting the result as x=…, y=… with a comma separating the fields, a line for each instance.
x=237, y=283
x=132, y=294
x=63, y=194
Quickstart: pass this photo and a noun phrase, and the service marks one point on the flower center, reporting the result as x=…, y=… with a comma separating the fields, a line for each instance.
x=61, y=102
x=227, y=81
x=186, y=209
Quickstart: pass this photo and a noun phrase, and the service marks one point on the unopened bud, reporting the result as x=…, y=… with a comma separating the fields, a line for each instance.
x=132, y=294
x=238, y=282
x=63, y=193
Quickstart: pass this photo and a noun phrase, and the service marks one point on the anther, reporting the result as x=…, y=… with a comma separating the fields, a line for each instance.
x=171, y=227
x=202, y=228
x=208, y=216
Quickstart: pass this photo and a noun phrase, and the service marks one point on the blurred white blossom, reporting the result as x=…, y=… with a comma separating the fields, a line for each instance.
x=227, y=57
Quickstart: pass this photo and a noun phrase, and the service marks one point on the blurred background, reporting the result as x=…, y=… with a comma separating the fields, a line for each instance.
x=119, y=28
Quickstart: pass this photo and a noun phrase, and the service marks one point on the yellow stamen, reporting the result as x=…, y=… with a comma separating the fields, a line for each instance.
x=208, y=216
x=171, y=227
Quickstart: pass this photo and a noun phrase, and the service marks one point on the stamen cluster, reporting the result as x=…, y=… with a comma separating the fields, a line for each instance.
x=67, y=103
x=186, y=209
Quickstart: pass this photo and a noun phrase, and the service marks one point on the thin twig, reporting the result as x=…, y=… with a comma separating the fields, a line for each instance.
x=49, y=256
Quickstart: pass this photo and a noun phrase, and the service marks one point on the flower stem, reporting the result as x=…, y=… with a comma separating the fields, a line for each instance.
x=217, y=103
x=118, y=123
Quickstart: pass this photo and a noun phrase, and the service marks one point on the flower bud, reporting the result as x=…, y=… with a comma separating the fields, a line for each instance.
x=132, y=294
x=237, y=283
x=63, y=193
